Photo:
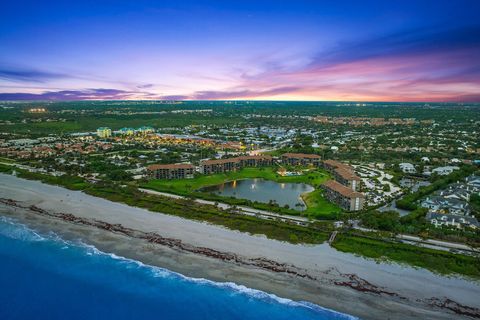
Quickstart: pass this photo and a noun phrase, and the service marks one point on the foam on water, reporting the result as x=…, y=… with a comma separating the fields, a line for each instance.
x=9, y=228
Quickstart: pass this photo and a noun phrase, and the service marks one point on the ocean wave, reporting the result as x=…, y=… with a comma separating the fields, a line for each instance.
x=231, y=286
x=262, y=295
x=13, y=229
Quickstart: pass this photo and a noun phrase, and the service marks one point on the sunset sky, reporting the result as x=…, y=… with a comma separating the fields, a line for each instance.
x=269, y=50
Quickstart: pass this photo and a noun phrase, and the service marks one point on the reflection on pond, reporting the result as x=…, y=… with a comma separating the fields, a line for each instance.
x=265, y=191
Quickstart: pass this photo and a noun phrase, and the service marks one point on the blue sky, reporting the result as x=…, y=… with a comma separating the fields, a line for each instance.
x=294, y=50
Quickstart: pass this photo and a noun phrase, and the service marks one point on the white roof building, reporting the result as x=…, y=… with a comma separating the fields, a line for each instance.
x=407, y=167
x=443, y=171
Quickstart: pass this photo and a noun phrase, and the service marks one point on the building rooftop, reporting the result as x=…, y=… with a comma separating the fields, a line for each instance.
x=257, y=157
x=347, y=174
x=301, y=155
x=344, y=191
x=170, y=166
x=219, y=161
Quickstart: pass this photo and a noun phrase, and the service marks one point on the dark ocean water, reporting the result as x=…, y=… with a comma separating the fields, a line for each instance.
x=45, y=277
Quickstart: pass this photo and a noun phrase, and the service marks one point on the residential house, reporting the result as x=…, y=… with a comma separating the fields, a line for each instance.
x=451, y=220
x=407, y=167
x=443, y=171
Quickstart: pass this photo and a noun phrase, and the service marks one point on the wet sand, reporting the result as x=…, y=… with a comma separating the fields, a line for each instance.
x=407, y=292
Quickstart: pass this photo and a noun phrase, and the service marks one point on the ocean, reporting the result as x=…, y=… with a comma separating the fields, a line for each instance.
x=45, y=277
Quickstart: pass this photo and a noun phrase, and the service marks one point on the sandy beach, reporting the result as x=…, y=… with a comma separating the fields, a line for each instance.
x=406, y=292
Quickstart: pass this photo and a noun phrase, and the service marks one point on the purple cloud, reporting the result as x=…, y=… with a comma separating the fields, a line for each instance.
x=145, y=86
x=405, y=43
x=87, y=94
x=31, y=75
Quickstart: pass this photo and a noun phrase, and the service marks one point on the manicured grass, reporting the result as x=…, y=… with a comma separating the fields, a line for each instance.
x=317, y=205
x=441, y=262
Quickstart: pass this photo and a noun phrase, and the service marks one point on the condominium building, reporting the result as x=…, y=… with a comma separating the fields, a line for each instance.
x=255, y=161
x=343, y=174
x=347, y=178
x=170, y=171
x=219, y=165
x=233, y=164
x=104, y=132
x=331, y=165
x=146, y=130
x=343, y=196
x=127, y=131
x=301, y=159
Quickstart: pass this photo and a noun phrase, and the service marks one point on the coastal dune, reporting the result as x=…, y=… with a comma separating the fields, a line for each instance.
x=401, y=292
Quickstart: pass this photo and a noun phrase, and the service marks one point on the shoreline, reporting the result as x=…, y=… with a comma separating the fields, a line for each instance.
x=333, y=280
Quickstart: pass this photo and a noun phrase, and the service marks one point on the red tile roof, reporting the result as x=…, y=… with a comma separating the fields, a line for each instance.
x=301, y=155
x=154, y=167
x=340, y=188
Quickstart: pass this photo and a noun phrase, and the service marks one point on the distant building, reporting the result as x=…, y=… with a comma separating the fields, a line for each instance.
x=146, y=129
x=450, y=205
x=170, y=171
x=407, y=167
x=301, y=159
x=343, y=196
x=233, y=164
x=450, y=220
x=104, y=132
x=443, y=171
x=127, y=131
x=473, y=181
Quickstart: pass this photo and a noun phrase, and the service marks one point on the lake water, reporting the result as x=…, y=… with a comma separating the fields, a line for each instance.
x=261, y=190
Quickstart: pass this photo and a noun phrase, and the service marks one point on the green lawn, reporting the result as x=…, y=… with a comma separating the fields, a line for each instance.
x=442, y=262
x=317, y=205
x=6, y=160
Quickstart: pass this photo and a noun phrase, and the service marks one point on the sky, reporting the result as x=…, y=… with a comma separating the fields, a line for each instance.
x=240, y=50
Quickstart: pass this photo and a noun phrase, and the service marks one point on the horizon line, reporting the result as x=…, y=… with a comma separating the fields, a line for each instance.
x=237, y=100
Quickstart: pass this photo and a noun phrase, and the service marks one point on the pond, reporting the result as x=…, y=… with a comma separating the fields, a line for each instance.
x=264, y=191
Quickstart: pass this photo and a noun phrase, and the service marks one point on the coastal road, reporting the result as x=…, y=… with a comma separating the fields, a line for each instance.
x=451, y=245
x=430, y=243
x=241, y=209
